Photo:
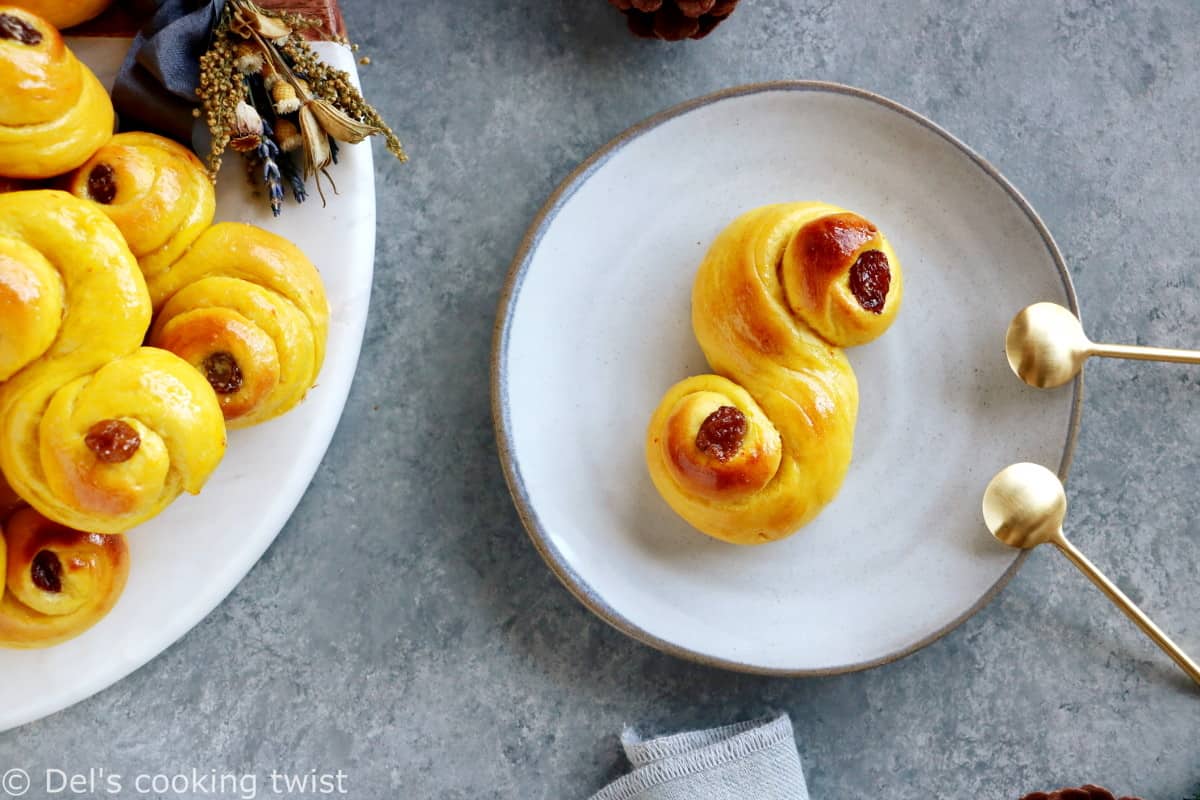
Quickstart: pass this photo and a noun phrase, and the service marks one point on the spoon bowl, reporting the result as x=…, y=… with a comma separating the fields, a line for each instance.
x=1024, y=506
x=1046, y=345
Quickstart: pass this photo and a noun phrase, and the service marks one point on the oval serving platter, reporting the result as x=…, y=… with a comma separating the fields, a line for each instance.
x=594, y=325
x=185, y=561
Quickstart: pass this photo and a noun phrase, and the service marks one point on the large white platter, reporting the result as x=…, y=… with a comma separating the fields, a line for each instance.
x=594, y=326
x=184, y=562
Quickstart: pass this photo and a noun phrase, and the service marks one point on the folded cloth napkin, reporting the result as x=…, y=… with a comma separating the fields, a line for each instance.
x=156, y=88
x=748, y=761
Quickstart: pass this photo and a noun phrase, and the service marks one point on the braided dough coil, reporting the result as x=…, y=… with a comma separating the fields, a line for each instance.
x=96, y=432
x=753, y=452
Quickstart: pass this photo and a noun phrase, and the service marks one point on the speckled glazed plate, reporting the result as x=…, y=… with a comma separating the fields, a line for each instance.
x=185, y=561
x=594, y=326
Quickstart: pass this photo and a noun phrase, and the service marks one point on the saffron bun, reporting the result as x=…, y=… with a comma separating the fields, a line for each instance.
x=54, y=112
x=753, y=452
x=97, y=432
x=155, y=190
x=58, y=582
x=247, y=309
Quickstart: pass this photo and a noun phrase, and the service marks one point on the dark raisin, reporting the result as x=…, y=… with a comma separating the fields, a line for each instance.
x=223, y=372
x=46, y=571
x=102, y=184
x=722, y=432
x=113, y=441
x=870, y=279
x=18, y=30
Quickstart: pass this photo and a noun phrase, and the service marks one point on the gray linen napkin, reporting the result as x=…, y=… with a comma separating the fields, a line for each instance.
x=156, y=88
x=754, y=760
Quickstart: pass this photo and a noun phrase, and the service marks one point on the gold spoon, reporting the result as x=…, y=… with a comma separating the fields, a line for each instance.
x=1046, y=347
x=1024, y=506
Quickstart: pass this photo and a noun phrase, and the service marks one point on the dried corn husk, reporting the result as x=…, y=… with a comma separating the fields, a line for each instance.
x=317, y=155
x=339, y=124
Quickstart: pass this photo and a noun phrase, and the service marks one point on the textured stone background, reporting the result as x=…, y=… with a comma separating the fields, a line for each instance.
x=402, y=628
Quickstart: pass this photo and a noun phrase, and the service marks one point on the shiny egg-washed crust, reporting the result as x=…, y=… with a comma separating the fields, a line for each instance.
x=54, y=113
x=75, y=309
x=253, y=298
x=58, y=582
x=235, y=293
x=64, y=13
x=155, y=190
x=772, y=306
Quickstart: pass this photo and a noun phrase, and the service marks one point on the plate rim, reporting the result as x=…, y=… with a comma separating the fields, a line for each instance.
x=501, y=423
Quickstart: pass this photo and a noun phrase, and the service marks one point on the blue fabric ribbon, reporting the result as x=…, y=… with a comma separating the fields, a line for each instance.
x=156, y=87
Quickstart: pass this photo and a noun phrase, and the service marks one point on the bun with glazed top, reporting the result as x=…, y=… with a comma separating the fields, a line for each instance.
x=54, y=113
x=58, y=582
x=96, y=432
x=753, y=452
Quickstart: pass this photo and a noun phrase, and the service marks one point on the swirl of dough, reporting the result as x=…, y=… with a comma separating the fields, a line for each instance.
x=58, y=582
x=248, y=310
x=64, y=13
x=54, y=113
x=96, y=432
x=755, y=451
x=155, y=190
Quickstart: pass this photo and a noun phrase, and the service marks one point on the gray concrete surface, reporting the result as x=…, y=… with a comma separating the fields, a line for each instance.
x=403, y=629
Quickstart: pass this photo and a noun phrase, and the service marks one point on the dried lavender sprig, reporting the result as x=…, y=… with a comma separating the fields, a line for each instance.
x=267, y=152
x=292, y=175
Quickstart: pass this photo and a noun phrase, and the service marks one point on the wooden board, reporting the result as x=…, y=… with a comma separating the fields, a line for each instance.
x=124, y=18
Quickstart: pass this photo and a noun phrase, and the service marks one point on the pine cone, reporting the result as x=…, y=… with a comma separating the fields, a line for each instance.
x=1085, y=792
x=674, y=19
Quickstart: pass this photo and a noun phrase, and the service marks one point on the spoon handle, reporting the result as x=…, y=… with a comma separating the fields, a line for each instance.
x=1132, y=611
x=1146, y=353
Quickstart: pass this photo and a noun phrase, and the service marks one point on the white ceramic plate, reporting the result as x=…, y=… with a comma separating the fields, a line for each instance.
x=594, y=326
x=185, y=561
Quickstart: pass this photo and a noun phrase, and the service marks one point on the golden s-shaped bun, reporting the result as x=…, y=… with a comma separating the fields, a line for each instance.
x=96, y=432
x=54, y=113
x=755, y=451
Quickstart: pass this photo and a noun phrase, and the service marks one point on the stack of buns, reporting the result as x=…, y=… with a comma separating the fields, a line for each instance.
x=133, y=332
